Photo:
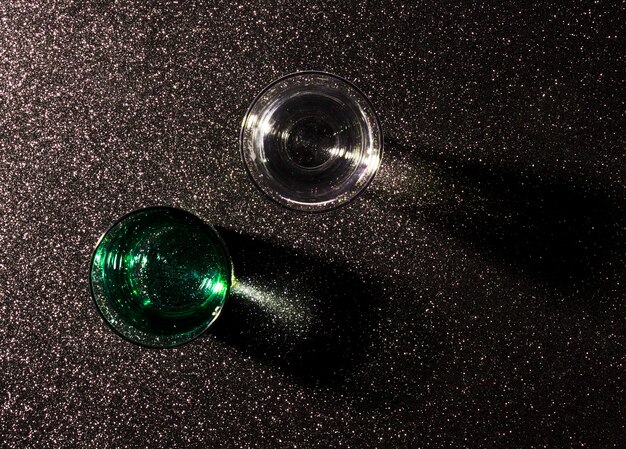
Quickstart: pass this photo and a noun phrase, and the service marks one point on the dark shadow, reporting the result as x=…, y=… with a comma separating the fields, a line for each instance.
x=311, y=318
x=568, y=235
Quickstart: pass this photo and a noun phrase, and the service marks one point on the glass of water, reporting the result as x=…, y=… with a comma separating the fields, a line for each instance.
x=311, y=141
x=160, y=276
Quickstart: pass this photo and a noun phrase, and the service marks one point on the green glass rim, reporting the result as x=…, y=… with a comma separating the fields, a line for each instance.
x=229, y=275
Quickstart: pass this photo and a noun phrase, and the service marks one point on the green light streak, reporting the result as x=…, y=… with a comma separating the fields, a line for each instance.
x=218, y=287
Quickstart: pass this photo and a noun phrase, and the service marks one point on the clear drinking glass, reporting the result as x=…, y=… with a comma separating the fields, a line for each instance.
x=311, y=141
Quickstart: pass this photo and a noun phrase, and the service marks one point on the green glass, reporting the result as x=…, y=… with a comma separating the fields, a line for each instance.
x=160, y=276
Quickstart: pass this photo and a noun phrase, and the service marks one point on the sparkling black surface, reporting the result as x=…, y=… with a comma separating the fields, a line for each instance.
x=472, y=297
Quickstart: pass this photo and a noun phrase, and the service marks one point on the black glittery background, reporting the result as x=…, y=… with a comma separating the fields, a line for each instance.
x=472, y=297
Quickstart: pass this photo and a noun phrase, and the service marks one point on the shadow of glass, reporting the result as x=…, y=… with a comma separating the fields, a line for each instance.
x=564, y=234
x=309, y=317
